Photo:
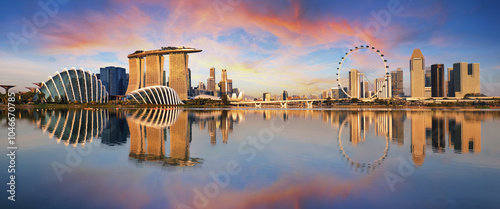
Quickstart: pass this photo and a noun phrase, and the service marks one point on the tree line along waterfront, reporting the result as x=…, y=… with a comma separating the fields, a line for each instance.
x=26, y=100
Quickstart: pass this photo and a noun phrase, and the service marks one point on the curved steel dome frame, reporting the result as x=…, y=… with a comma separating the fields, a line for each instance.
x=74, y=85
x=160, y=95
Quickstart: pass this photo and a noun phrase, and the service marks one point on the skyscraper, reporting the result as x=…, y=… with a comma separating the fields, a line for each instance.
x=114, y=79
x=384, y=84
x=466, y=79
x=189, y=88
x=325, y=94
x=229, y=86
x=336, y=92
x=210, y=84
x=362, y=86
x=428, y=81
x=136, y=77
x=154, y=70
x=201, y=86
x=223, y=82
x=211, y=80
x=178, y=74
x=437, y=80
x=397, y=83
x=354, y=83
x=451, y=91
x=266, y=96
x=212, y=72
x=146, y=69
x=285, y=95
x=417, y=74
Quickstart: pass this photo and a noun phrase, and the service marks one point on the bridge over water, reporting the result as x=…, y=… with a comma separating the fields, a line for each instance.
x=283, y=103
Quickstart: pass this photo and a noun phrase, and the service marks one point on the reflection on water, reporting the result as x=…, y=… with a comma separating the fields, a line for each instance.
x=298, y=166
x=150, y=129
x=463, y=130
x=72, y=126
x=148, y=134
x=359, y=125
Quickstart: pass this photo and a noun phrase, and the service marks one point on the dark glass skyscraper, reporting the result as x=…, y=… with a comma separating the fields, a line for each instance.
x=285, y=95
x=114, y=79
x=437, y=80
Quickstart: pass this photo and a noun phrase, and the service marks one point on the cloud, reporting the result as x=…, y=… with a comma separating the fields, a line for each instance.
x=257, y=41
x=92, y=32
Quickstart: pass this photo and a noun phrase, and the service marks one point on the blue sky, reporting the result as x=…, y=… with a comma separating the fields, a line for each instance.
x=266, y=46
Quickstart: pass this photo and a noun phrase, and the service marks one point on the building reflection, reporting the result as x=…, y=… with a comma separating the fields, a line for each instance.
x=418, y=137
x=384, y=124
x=465, y=132
x=221, y=121
x=152, y=130
x=164, y=136
x=431, y=129
x=148, y=134
x=73, y=127
x=116, y=131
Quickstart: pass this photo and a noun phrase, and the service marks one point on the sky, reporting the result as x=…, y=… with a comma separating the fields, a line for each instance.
x=266, y=46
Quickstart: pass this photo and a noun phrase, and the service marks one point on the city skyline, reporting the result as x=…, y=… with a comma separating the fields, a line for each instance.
x=267, y=46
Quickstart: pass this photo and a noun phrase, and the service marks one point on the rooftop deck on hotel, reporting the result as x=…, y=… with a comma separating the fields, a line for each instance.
x=164, y=50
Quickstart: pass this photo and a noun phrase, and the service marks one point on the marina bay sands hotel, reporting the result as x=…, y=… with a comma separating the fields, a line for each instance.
x=146, y=69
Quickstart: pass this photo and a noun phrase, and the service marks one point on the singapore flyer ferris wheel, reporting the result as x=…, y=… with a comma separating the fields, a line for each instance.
x=377, y=90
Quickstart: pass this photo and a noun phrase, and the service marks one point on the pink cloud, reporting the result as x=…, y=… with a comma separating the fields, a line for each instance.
x=198, y=24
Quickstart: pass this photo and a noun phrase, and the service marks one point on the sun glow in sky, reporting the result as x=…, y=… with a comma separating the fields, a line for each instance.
x=266, y=46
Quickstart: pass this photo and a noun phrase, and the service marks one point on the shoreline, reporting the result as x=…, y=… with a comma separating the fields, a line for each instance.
x=116, y=106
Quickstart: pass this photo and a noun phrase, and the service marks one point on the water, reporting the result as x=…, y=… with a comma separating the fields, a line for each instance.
x=256, y=158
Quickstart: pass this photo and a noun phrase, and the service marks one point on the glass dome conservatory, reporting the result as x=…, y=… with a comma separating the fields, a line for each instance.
x=74, y=85
x=162, y=95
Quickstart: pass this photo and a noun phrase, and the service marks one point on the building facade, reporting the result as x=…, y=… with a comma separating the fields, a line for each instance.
x=397, y=83
x=417, y=74
x=223, y=82
x=437, y=80
x=177, y=79
x=324, y=95
x=384, y=85
x=466, y=79
x=211, y=80
x=428, y=81
x=338, y=93
x=354, y=87
x=229, y=86
x=147, y=69
x=115, y=79
x=450, y=90
x=266, y=96
x=285, y=95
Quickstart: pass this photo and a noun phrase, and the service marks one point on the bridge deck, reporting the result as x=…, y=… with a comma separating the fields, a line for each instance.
x=278, y=102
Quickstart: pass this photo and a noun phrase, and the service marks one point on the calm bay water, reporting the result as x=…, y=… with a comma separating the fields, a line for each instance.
x=256, y=158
